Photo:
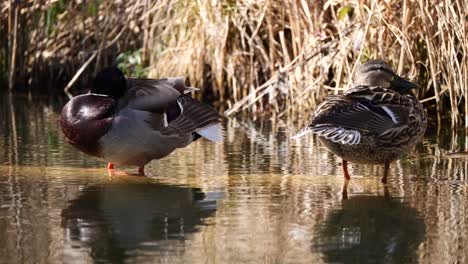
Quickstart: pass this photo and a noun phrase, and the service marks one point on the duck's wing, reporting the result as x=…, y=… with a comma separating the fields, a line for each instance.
x=173, y=112
x=405, y=111
x=153, y=94
x=374, y=110
x=191, y=116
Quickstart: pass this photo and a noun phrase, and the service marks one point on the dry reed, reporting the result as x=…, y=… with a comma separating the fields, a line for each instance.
x=282, y=57
x=275, y=57
x=48, y=40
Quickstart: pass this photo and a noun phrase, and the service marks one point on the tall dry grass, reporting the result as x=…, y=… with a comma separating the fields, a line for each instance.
x=271, y=57
x=282, y=57
x=45, y=42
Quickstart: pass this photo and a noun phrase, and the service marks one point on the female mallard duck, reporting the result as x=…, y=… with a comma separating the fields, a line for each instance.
x=375, y=122
x=133, y=121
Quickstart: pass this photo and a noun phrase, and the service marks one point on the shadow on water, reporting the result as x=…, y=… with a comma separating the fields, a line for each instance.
x=114, y=219
x=371, y=229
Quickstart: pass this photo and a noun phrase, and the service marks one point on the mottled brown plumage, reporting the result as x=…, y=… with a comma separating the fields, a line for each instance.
x=375, y=122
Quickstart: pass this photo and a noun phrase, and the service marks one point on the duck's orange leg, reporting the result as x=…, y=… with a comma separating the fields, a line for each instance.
x=345, y=170
x=385, y=172
x=141, y=171
x=110, y=169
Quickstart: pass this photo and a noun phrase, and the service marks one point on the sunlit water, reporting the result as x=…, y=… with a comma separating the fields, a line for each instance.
x=256, y=198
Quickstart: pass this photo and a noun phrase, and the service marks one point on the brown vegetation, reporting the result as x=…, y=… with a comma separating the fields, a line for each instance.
x=46, y=41
x=279, y=57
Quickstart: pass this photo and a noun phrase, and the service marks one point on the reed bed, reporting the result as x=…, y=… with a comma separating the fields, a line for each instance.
x=262, y=57
x=47, y=41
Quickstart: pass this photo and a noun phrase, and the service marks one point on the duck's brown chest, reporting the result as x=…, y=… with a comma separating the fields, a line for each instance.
x=85, y=119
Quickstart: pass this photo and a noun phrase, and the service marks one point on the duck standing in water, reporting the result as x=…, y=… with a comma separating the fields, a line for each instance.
x=373, y=123
x=133, y=121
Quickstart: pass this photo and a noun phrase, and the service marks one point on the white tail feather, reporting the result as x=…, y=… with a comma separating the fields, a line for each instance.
x=212, y=133
x=302, y=133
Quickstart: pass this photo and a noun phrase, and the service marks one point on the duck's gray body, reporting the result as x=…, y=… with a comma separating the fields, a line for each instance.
x=131, y=141
x=137, y=120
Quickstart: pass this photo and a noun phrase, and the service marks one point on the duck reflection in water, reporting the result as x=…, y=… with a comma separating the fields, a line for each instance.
x=344, y=192
x=113, y=220
x=370, y=229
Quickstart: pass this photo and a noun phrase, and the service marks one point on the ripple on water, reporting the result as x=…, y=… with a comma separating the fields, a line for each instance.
x=258, y=197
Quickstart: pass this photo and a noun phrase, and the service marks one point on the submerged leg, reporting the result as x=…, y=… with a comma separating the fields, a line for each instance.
x=385, y=172
x=345, y=170
x=386, y=192
x=141, y=171
x=344, y=193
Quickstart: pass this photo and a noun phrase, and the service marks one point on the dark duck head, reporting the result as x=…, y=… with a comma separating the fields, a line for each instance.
x=379, y=73
x=110, y=81
x=86, y=118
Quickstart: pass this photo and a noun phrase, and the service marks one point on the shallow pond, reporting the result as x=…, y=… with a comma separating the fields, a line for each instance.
x=256, y=198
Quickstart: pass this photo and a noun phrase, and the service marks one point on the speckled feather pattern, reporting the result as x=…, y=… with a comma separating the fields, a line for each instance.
x=389, y=123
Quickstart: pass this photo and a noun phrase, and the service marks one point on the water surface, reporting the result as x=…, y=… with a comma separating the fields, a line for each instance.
x=256, y=198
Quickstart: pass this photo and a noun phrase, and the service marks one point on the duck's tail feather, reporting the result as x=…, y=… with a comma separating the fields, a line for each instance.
x=302, y=133
x=333, y=133
x=338, y=134
x=213, y=133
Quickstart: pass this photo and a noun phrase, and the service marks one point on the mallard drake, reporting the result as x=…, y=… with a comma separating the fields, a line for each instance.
x=375, y=122
x=130, y=121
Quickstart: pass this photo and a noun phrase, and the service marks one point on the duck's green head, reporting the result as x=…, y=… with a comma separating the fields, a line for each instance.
x=110, y=81
x=379, y=73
